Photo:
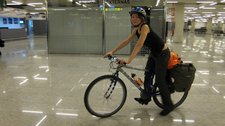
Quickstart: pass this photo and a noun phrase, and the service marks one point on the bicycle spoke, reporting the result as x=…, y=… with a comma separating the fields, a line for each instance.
x=177, y=97
x=105, y=96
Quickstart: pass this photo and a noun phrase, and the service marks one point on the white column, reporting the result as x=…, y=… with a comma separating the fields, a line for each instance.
x=193, y=26
x=209, y=26
x=179, y=23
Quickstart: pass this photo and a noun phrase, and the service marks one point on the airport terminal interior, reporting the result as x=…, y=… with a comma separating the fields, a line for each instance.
x=45, y=69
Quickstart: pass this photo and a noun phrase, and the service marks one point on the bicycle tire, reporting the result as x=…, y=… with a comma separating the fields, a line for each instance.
x=91, y=98
x=177, y=97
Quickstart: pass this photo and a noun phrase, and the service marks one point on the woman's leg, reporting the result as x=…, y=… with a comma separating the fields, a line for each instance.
x=161, y=62
x=149, y=74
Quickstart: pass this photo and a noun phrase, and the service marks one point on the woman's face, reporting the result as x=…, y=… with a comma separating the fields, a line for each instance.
x=135, y=20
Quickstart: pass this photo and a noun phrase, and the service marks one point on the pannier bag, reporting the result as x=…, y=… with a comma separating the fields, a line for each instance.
x=182, y=76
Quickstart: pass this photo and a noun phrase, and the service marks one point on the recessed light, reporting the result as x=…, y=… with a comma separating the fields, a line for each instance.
x=204, y=1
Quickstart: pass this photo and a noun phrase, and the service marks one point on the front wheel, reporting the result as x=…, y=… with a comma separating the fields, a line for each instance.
x=105, y=96
x=177, y=97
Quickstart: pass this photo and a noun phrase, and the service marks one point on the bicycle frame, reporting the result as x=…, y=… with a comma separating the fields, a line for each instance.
x=107, y=90
x=120, y=67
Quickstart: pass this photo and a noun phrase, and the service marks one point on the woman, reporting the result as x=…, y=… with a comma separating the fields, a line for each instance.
x=157, y=62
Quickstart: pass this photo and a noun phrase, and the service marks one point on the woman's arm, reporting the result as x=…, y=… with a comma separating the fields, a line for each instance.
x=144, y=32
x=123, y=43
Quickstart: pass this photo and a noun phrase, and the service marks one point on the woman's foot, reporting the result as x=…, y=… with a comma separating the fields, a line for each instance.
x=144, y=98
x=167, y=110
x=143, y=101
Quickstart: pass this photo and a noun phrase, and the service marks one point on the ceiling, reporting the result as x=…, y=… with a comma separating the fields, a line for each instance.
x=24, y=8
x=200, y=10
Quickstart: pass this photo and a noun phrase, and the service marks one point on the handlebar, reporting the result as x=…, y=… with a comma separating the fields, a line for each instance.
x=114, y=59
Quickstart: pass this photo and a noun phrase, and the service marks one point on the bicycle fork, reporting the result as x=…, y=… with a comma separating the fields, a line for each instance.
x=112, y=85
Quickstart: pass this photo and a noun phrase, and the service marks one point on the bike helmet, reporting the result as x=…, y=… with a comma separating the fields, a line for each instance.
x=138, y=10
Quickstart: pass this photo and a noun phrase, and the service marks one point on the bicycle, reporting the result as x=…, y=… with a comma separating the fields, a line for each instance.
x=107, y=94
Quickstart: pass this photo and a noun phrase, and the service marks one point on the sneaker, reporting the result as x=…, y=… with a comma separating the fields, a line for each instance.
x=142, y=100
x=167, y=110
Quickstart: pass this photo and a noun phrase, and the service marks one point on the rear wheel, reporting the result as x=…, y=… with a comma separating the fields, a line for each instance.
x=105, y=96
x=177, y=97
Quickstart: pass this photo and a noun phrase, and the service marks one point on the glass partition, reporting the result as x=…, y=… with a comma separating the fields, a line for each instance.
x=117, y=27
x=74, y=27
x=158, y=21
x=93, y=26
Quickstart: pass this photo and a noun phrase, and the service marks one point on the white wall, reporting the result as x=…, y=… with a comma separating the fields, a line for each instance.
x=223, y=28
x=199, y=24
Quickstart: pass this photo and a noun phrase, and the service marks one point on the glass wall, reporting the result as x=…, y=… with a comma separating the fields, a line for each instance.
x=83, y=26
x=157, y=21
x=117, y=28
x=75, y=30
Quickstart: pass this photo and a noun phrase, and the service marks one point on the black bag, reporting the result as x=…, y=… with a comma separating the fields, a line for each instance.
x=182, y=76
x=2, y=43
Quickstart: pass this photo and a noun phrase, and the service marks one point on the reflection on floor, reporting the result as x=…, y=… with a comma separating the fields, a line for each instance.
x=41, y=89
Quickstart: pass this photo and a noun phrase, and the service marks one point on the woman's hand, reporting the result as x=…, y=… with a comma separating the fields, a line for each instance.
x=122, y=61
x=110, y=53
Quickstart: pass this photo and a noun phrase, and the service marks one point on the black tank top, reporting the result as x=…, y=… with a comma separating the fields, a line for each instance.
x=153, y=42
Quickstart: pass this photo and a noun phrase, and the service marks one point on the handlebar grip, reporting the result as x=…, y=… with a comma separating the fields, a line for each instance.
x=121, y=63
x=109, y=57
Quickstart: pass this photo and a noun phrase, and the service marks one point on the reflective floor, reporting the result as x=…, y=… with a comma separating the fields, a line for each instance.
x=41, y=89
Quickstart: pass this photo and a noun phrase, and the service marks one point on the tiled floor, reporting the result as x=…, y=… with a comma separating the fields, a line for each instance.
x=40, y=89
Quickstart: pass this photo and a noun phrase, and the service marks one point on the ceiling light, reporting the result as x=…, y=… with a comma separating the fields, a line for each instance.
x=107, y=3
x=174, y=1
x=87, y=1
x=19, y=3
x=15, y=3
x=210, y=8
x=204, y=1
x=190, y=8
x=201, y=7
x=190, y=18
x=36, y=3
x=12, y=4
x=77, y=3
x=33, y=13
x=207, y=12
x=157, y=3
x=42, y=8
x=58, y=9
x=33, y=4
x=187, y=12
x=214, y=3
